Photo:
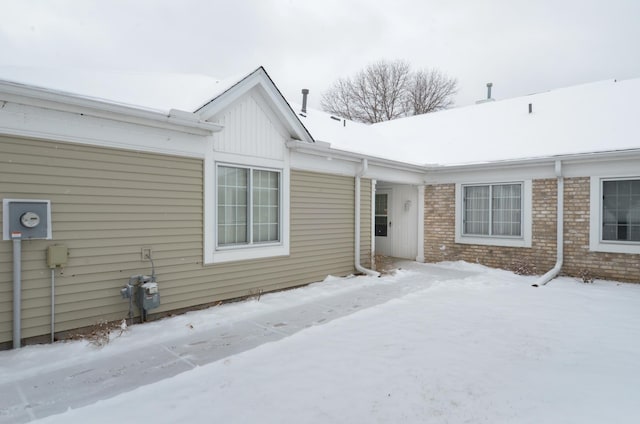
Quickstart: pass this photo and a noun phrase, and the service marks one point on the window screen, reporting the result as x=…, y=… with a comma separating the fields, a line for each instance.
x=248, y=206
x=621, y=210
x=493, y=210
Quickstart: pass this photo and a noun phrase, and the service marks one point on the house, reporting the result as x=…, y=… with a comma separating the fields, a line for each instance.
x=491, y=190
x=239, y=194
x=230, y=199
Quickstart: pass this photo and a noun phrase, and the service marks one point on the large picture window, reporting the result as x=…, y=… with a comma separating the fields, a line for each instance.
x=248, y=206
x=621, y=210
x=492, y=210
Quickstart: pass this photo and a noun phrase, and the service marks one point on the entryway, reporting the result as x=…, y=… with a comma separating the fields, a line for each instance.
x=396, y=213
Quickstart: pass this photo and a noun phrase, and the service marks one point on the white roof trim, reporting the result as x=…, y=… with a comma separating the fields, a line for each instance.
x=181, y=121
x=259, y=77
x=321, y=148
x=576, y=157
x=324, y=149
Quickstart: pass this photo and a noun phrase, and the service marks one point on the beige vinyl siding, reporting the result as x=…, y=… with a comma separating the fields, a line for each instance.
x=107, y=204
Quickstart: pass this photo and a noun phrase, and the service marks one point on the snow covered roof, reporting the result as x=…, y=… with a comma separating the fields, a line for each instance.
x=588, y=118
x=596, y=117
x=158, y=91
x=329, y=128
x=167, y=94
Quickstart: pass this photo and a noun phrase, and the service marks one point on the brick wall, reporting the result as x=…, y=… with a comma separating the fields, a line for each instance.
x=541, y=256
x=577, y=257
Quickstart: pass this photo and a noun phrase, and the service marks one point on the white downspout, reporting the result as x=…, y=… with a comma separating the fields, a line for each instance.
x=552, y=273
x=372, y=229
x=360, y=268
x=420, y=217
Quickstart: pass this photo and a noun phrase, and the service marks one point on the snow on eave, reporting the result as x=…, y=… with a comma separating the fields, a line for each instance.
x=71, y=102
x=150, y=90
x=573, y=157
x=324, y=149
x=229, y=84
x=40, y=91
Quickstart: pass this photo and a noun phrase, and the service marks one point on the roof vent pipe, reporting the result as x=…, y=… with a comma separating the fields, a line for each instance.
x=488, y=99
x=305, y=93
x=530, y=107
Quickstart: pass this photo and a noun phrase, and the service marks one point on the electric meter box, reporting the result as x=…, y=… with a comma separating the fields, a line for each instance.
x=26, y=219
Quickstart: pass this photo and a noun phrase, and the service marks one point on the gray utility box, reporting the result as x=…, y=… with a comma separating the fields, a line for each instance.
x=148, y=295
x=26, y=219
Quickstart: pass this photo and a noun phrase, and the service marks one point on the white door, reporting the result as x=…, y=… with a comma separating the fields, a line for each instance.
x=382, y=227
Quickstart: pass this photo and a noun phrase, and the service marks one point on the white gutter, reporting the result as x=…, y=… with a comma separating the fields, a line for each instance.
x=360, y=268
x=553, y=272
x=177, y=120
x=324, y=149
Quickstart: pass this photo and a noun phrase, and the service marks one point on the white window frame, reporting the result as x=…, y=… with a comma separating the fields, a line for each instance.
x=524, y=240
x=213, y=253
x=596, y=243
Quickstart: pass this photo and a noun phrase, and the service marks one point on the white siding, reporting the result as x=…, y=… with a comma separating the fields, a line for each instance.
x=402, y=239
x=250, y=128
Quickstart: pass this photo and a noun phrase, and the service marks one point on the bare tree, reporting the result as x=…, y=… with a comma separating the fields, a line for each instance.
x=429, y=91
x=387, y=90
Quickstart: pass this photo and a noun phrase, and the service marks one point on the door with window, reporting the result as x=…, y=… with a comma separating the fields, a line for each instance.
x=382, y=226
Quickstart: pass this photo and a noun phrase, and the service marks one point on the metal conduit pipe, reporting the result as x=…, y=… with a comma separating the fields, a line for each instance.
x=553, y=272
x=53, y=304
x=358, y=266
x=17, y=291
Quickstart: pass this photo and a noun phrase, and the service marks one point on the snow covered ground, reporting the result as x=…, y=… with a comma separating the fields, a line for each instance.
x=446, y=343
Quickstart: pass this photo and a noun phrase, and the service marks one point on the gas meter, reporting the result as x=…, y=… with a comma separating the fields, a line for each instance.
x=148, y=295
x=144, y=289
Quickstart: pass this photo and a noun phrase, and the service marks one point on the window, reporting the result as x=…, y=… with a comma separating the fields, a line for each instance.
x=494, y=214
x=614, y=214
x=621, y=210
x=248, y=206
x=493, y=210
x=381, y=216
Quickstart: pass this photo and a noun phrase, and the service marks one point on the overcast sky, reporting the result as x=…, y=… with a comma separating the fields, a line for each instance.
x=521, y=46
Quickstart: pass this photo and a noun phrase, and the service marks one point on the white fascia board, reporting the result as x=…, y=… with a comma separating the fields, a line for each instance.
x=325, y=151
x=51, y=99
x=304, y=162
x=624, y=162
x=42, y=123
x=349, y=166
x=609, y=165
x=324, y=148
x=578, y=158
x=490, y=174
x=393, y=175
